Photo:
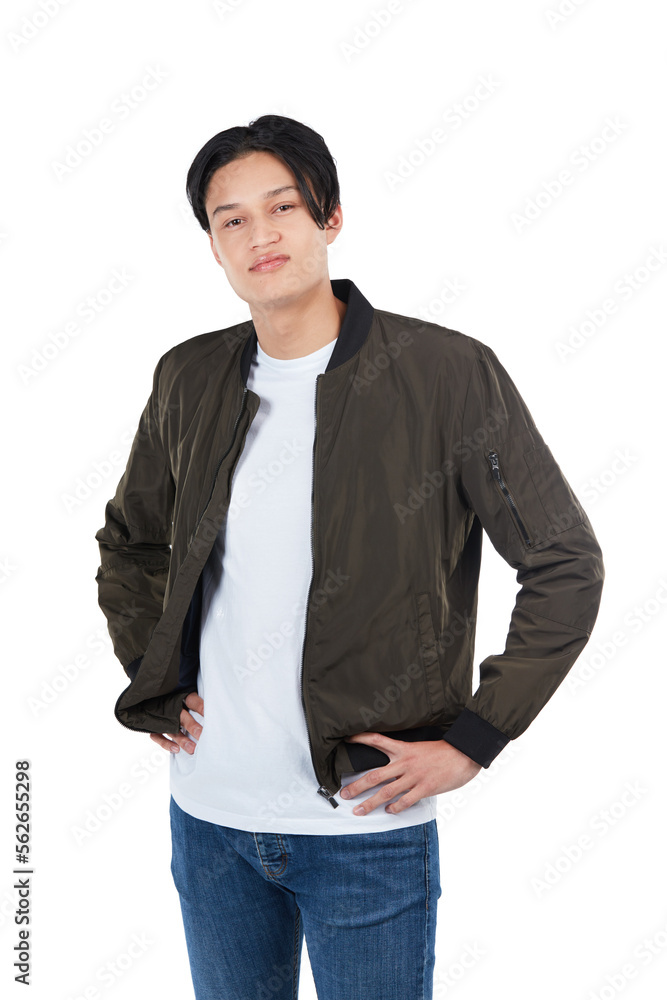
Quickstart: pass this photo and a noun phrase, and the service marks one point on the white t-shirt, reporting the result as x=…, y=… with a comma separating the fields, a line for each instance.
x=252, y=768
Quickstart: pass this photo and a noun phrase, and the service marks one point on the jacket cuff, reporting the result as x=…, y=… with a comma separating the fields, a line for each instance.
x=476, y=738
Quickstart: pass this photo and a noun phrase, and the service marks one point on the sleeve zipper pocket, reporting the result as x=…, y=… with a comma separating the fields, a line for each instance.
x=497, y=475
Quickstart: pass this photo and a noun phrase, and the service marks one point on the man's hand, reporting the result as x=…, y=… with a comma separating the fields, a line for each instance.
x=174, y=741
x=420, y=769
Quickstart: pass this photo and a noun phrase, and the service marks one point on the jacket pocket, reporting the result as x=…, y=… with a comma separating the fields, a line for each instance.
x=430, y=658
x=509, y=499
x=559, y=507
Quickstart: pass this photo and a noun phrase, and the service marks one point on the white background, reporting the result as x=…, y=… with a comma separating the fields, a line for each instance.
x=375, y=93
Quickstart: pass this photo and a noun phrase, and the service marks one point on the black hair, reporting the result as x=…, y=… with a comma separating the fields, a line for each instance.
x=299, y=147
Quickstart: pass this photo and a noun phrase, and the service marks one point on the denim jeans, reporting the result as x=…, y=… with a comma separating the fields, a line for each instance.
x=366, y=903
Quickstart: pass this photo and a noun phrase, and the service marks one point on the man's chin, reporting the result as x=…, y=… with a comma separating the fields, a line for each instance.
x=274, y=293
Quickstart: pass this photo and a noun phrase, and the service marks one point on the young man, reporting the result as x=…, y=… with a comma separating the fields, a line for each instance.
x=295, y=547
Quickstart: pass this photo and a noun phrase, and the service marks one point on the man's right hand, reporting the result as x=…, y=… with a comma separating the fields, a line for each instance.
x=174, y=741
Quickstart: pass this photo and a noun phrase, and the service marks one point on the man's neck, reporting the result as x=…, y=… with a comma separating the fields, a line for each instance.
x=300, y=329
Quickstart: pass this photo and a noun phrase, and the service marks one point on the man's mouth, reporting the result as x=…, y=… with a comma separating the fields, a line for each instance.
x=269, y=262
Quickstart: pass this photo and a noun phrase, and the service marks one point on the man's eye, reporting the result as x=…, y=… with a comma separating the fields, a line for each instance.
x=228, y=225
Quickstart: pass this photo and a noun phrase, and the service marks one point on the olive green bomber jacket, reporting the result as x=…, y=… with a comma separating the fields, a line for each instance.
x=422, y=444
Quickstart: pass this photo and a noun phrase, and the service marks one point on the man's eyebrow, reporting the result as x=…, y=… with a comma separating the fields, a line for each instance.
x=266, y=196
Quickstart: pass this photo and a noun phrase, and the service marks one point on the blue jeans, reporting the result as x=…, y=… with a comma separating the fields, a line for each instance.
x=366, y=902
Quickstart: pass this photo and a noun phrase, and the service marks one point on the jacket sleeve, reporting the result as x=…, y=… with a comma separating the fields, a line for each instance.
x=135, y=540
x=514, y=486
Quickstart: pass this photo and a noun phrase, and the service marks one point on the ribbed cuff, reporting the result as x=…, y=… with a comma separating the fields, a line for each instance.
x=476, y=738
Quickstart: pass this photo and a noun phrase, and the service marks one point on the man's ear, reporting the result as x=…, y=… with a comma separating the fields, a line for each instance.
x=334, y=224
x=215, y=252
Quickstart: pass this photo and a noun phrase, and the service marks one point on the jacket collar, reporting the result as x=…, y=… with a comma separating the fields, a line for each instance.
x=353, y=331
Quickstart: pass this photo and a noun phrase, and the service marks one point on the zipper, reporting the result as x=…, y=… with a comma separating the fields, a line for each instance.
x=215, y=476
x=217, y=468
x=497, y=475
x=322, y=789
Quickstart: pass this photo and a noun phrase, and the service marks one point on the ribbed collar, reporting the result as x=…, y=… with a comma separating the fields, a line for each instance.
x=353, y=331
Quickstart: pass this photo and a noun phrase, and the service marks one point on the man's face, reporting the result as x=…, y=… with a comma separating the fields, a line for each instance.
x=245, y=225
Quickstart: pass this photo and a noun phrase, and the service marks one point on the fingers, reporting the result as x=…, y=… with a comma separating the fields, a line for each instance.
x=195, y=702
x=173, y=742
x=191, y=724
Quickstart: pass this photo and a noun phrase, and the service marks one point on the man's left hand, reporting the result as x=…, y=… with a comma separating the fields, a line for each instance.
x=419, y=769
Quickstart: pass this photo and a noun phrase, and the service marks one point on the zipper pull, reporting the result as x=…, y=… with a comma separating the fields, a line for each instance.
x=495, y=465
x=327, y=795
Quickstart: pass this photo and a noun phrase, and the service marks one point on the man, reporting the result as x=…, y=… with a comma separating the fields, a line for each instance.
x=295, y=545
